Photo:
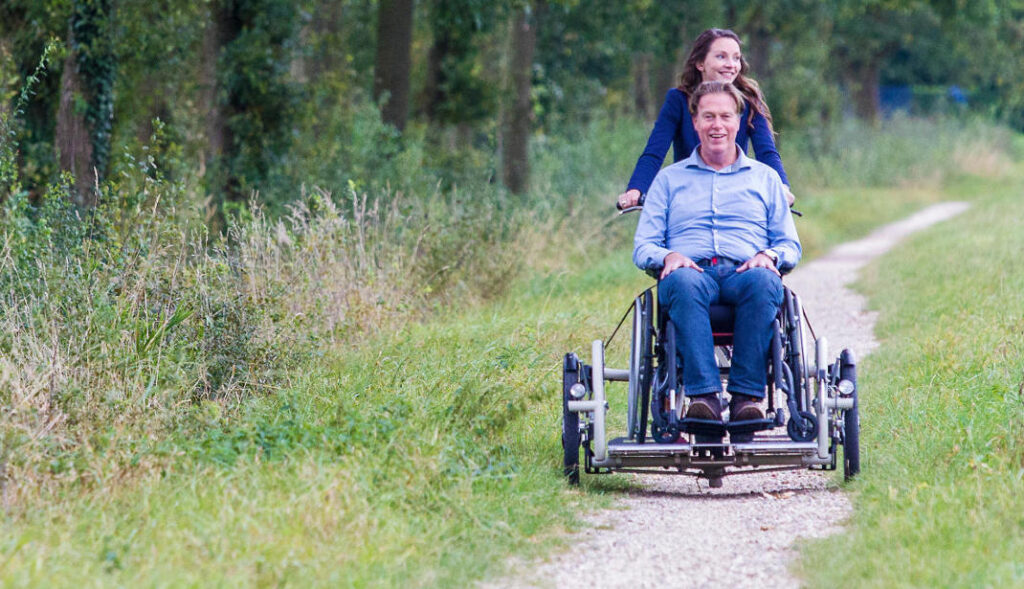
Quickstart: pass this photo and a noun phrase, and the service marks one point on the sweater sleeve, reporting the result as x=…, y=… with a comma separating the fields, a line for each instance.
x=664, y=131
x=764, y=145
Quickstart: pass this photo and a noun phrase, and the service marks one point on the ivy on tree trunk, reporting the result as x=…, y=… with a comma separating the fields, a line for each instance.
x=86, y=112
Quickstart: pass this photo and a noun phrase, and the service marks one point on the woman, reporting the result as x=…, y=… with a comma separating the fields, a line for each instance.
x=715, y=56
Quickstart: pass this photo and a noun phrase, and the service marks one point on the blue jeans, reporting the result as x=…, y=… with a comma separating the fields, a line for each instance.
x=756, y=295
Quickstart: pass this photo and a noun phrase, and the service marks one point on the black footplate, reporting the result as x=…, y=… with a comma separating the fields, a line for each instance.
x=742, y=432
x=710, y=428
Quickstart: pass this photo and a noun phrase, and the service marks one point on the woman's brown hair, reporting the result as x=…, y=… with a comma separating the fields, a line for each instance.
x=692, y=77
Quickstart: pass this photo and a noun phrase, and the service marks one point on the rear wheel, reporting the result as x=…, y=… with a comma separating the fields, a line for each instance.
x=641, y=371
x=851, y=419
x=572, y=371
x=851, y=442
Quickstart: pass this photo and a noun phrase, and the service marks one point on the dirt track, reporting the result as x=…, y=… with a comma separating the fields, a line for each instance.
x=676, y=531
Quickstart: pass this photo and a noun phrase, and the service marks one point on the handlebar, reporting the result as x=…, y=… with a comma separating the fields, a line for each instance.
x=640, y=205
x=637, y=207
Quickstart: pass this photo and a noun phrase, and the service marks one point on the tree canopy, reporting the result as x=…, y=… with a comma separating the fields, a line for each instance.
x=247, y=89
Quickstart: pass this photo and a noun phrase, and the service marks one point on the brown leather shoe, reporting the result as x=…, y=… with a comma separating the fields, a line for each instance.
x=705, y=407
x=744, y=408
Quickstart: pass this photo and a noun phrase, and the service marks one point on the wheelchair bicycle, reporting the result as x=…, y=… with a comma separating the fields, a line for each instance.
x=819, y=415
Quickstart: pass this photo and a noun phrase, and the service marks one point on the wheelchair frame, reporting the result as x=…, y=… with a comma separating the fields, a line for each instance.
x=820, y=415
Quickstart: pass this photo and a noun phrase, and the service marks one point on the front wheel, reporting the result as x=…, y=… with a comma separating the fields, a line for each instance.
x=802, y=427
x=641, y=371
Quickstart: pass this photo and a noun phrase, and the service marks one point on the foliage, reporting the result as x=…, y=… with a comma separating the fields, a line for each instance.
x=259, y=97
x=9, y=177
x=458, y=91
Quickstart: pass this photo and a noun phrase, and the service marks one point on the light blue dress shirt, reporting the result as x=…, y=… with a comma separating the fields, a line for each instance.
x=700, y=212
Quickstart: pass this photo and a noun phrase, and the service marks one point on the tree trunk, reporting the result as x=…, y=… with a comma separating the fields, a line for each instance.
x=72, y=140
x=326, y=26
x=517, y=139
x=759, y=48
x=391, y=71
x=666, y=75
x=642, y=84
x=220, y=29
x=224, y=27
x=432, y=92
x=862, y=81
x=85, y=115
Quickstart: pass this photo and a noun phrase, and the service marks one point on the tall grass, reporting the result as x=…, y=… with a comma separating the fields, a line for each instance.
x=900, y=152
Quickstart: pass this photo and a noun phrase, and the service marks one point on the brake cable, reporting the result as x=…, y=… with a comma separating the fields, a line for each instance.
x=608, y=341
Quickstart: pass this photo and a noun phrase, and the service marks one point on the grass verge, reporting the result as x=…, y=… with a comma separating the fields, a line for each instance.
x=940, y=502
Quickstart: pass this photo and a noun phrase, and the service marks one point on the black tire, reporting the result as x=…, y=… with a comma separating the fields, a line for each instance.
x=851, y=442
x=571, y=373
x=851, y=420
x=802, y=427
x=646, y=365
x=664, y=435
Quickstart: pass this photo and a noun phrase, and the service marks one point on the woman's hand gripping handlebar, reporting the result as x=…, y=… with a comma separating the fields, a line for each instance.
x=630, y=201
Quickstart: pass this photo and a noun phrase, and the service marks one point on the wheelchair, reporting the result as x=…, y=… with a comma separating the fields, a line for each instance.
x=818, y=416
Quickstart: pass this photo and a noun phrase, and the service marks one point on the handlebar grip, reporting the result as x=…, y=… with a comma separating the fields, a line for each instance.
x=639, y=205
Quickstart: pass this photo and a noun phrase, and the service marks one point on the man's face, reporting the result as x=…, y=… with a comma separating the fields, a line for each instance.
x=717, y=123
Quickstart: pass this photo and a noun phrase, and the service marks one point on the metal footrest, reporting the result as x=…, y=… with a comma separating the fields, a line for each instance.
x=742, y=432
x=706, y=428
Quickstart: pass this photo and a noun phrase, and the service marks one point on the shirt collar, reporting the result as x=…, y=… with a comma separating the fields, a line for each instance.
x=695, y=161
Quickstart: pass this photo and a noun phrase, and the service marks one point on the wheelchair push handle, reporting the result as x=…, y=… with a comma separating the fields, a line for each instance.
x=637, y=207
x=640, y=205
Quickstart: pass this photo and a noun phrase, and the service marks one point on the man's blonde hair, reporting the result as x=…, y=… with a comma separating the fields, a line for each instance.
x=706, y=88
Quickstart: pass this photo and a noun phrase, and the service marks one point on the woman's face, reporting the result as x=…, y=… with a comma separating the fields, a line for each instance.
x=723, y=61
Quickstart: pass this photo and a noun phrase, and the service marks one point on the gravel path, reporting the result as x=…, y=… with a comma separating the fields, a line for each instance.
x=676, y=531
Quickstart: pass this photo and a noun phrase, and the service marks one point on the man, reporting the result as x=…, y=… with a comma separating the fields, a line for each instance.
x=719, y=227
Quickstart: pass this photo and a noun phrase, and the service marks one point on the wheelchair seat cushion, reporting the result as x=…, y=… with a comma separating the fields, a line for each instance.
x=722, y=319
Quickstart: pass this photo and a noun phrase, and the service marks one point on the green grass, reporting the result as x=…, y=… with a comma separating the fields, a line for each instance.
x=408, y=453
x=422, y=458
x=940, y=502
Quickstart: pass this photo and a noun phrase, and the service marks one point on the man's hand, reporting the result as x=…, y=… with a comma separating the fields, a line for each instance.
x=761, y=260
x=628, y=199
x=675, y=261
x=790, y=197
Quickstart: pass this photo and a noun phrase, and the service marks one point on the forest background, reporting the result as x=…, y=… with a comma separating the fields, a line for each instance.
x=215, y=215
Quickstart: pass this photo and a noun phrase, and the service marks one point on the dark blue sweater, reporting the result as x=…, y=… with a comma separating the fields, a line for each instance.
x=675, y=126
